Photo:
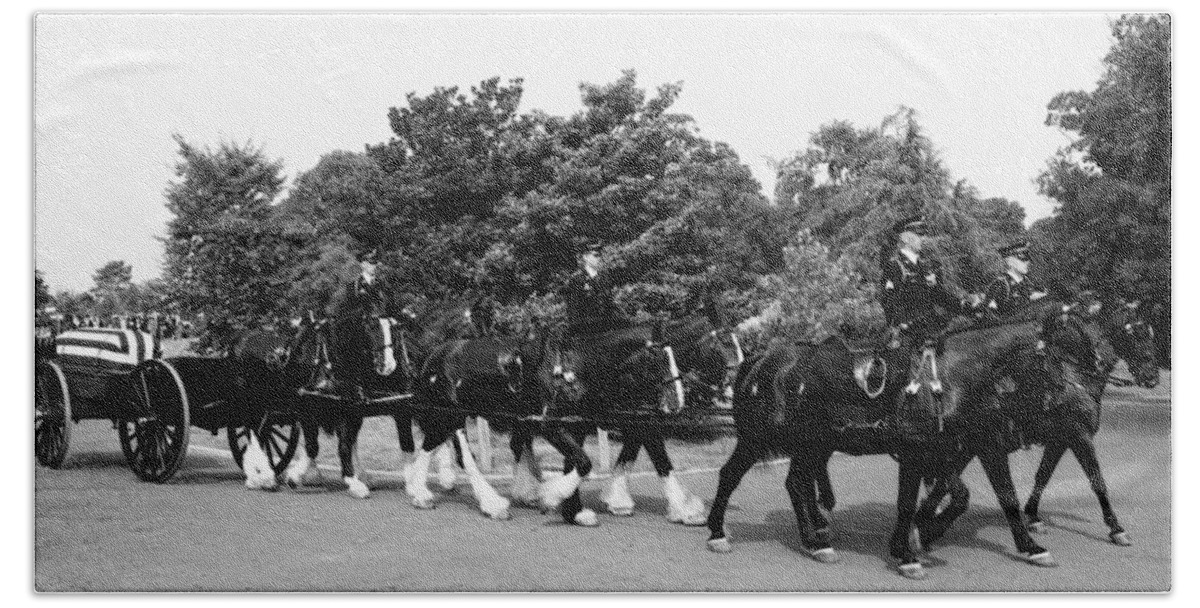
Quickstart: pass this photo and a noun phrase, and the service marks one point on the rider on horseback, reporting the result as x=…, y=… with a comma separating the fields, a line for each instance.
x=912, y=289
x=368, y=295
x=1012, y=291
x=588, y=293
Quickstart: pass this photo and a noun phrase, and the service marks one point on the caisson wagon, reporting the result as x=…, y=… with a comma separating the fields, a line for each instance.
x=120, y=375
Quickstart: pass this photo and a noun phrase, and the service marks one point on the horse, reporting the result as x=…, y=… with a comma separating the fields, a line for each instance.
x=382, y=356
x=1042, y=391
x=628, y=374
x=267, y=366
x=789, y=402
x=518, y=385
x=801, y=400
x=1071, y=422
x=708, y=355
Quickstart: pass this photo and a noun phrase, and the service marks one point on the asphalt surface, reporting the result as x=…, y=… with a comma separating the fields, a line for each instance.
x=99, y=528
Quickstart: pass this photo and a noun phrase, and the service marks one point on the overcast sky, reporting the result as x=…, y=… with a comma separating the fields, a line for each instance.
x=111, y=89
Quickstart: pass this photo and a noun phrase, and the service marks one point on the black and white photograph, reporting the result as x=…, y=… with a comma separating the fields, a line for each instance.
x=599, y=301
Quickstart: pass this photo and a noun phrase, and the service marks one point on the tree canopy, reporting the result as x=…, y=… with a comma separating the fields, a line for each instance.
x=852, y=184
x=1111, y=230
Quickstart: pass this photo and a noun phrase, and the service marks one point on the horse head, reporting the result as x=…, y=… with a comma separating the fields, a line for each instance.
x=1074, y=341
x=671, y=397
x=1133, y=340
x=716, y=366
x=560, y=366
x=378, y=330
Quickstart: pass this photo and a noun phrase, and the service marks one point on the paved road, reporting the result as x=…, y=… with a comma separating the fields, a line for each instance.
x=98, y=528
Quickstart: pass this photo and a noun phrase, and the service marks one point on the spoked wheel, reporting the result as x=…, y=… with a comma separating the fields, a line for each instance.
x=51, y=415
x=278, y=434
x=155, y=436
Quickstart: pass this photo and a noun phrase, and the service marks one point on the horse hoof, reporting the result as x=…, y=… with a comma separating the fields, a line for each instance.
x=586, y=518
x=1038, y=527
x=1121, y=539
x=359, y=493
x=621, y=511
x=696, y=519
x=914, y=571
x=826, y=555
x=502, y=515
x=422, y=503
x=720, y=545
x=1043, y=560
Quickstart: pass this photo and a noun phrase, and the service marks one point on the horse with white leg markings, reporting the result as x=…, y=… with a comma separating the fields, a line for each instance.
x=267, y=366
x=507, y=381
x=708, y=356
x=381, y=355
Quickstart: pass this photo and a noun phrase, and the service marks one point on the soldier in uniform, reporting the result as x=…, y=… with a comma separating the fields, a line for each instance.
x=1012, y=291
x=588, y=293
x=368, y=295
x=912, y=288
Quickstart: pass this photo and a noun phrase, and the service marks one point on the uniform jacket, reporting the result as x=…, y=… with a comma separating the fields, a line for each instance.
x=1006, y=296
x=590, y=305
x=912, y=291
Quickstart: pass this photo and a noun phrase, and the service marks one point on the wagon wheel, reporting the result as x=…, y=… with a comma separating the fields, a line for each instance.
x=155, y=437
x=278, y=433
x=52, y=415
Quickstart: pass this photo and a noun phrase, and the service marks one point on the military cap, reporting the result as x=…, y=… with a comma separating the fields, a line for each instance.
x=1019, y=250
x=368, y=255
x=914, y=224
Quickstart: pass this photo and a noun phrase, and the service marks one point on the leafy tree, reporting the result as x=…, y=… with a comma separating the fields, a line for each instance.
x=225, y=250
x=851, y=185
x=113, y=282
x=813, y=297
x=676, y=211
x=1111, y=230
x=41, y=293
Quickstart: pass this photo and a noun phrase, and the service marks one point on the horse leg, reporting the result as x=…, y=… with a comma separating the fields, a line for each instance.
x=576, y=465
x=801, y=489
x=825, y=487
x=745, y=454
x=303, y=470
x=348, y=428
x=491, y=503
x=907, y=492
x=572, y=508
x=616, y=498
x=256, y=467
x=527, y=474
x=683, y=507
x=447, y=473
x=994, y=459
x=1085, y=452
x=417, y=473
x=932, y=523
x=817, y=471
x=1050, y=457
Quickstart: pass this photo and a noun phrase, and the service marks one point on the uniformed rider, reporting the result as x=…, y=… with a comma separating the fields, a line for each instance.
x=1012, y=291
x=588, y=294
x=368, y=295
x=912, y=290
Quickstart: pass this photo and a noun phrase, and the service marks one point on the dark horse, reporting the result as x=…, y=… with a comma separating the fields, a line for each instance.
x=627, y=374
x=1059, y=408
x=518, y=385
x=801, y=402
x=708, y=355
x=267, y=366
x=381, y=356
